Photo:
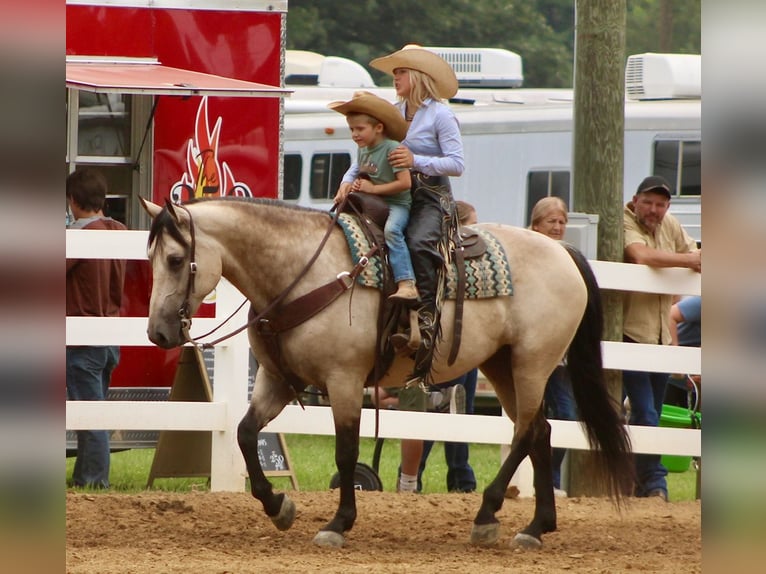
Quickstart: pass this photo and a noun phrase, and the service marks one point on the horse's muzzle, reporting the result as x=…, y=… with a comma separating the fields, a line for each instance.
x=163, y=340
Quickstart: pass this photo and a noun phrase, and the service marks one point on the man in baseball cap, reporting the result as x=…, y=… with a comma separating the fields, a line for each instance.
x=656, y=184
x=652, y=237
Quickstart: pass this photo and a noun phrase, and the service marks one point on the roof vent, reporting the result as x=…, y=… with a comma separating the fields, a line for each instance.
x=311, y=69
x=663, y=76
x=343, y=73
x=483, y=67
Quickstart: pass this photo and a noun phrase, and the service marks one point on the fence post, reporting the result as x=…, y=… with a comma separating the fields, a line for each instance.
x=227, y=467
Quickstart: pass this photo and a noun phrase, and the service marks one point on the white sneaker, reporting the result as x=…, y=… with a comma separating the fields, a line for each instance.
x=451, y=400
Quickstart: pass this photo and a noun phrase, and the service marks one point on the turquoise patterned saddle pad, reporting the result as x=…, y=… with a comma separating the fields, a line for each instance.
x=486, y=276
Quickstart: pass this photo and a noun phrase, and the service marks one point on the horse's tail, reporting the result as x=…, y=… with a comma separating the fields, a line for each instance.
x=597, y=410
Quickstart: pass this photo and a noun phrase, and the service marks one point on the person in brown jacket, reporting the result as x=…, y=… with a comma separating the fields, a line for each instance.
x=93, y=289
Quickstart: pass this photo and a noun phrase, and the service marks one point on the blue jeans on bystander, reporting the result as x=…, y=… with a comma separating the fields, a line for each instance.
x=646, y=392
x=88, y=372
x=560, y=405
x=460, y=475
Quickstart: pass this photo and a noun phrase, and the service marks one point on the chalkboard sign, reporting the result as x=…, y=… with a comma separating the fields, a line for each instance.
x=272, y=449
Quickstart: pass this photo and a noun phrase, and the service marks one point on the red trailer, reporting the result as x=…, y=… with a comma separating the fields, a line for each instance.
x=173, y=98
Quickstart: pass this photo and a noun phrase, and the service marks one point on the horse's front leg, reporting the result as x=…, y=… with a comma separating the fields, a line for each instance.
x=347, y=413
x=269, y=398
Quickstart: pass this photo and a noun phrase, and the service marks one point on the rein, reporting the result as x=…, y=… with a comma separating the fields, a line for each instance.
x=291, y=314
x=278, y=317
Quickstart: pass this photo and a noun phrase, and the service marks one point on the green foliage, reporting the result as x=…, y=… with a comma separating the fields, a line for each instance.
x=644, y=26
x=541, y=31
x=313, y=459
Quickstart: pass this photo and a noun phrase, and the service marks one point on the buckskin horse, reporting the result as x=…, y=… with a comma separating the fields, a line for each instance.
x=262, y=247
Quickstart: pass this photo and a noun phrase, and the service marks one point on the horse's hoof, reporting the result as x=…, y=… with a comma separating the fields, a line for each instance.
x=329, y=538
x=526, y=542
x=286, y=516
x=485, y=534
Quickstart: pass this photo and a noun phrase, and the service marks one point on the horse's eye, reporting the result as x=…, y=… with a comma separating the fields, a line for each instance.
x=175, y=262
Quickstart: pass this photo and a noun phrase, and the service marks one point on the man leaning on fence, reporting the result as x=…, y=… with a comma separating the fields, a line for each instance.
x=652, y=237
x=93, y=289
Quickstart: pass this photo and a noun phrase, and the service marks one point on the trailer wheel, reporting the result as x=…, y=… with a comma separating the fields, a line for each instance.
x=365, y=478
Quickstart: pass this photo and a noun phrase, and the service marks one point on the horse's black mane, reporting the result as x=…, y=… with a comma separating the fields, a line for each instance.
x=166, y=222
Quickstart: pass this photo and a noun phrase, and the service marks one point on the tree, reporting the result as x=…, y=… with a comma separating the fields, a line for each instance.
x=541, y=31
x=363, y=30
x=599, y=116
x=664, y=26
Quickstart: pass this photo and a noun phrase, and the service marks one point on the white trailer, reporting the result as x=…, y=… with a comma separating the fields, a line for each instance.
x=518, y=142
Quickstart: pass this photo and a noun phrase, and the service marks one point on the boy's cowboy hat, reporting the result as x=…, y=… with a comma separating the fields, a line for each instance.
x=416, y=58
x=382, y=110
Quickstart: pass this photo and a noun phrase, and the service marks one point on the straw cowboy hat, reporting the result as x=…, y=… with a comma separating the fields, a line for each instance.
x=416, y=58
x=382, y=110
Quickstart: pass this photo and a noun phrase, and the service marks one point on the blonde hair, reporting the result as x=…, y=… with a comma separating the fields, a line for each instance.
x=545, y=206
x=421, y=88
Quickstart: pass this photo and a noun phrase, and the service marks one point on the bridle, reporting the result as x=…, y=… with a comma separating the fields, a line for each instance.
x=183, y=311
x=277, y=316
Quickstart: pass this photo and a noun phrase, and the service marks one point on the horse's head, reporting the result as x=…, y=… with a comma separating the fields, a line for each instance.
x=185, y=268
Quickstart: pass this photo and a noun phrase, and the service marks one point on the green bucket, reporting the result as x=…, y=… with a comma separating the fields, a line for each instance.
x=680, y=418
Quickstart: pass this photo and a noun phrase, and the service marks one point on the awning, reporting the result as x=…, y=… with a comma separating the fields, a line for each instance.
x=151, y=78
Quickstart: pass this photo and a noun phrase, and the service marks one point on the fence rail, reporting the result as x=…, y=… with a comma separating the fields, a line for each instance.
x=222, y=415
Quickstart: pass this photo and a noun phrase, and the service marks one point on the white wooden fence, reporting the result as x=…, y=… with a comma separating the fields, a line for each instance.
x=222, y=415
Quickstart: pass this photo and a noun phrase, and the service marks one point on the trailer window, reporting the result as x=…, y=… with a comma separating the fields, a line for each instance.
x=680, y=162
x=291, y=183
x=544, y=183
x=327, y=170
x=103, y=125
x=100, y=130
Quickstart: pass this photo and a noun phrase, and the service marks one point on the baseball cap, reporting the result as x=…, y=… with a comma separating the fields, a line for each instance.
x=656, y=184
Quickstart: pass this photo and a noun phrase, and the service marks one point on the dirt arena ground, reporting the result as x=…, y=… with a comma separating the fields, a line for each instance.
x=227, y=533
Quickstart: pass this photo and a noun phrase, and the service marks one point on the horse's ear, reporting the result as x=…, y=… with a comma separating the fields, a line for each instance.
x=172, y=210
x=151, y=208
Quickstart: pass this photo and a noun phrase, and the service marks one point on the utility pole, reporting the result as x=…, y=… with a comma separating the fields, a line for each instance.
x=599, y=121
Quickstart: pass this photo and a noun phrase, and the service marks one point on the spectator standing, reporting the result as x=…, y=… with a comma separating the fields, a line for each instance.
x=460, y=475
x=686, y=322
x=685, y=330
x=550, y=217
x=652, y=237
x=93, y=289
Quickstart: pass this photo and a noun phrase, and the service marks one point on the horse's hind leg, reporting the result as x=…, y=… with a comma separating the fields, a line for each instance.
x=531, y=437
x=269, y=398
x=486, y=527
x=544, y=519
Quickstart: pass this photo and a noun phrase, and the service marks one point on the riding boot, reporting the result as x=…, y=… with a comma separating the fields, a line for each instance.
x=425, y=354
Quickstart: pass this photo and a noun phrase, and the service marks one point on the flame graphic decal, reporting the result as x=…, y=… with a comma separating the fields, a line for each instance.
x=205, y=176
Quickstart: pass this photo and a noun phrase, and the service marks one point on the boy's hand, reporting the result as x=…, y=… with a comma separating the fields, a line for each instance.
x=364, y=185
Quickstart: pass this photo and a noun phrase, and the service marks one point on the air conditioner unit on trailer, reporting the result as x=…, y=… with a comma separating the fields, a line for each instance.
x=483, y=67
x=663, y=76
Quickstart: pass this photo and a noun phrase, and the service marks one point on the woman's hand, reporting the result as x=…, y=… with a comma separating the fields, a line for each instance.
x=401, y=157
x=343, y=191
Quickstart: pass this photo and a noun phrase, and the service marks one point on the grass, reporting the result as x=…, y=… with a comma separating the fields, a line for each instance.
x=313, y=462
